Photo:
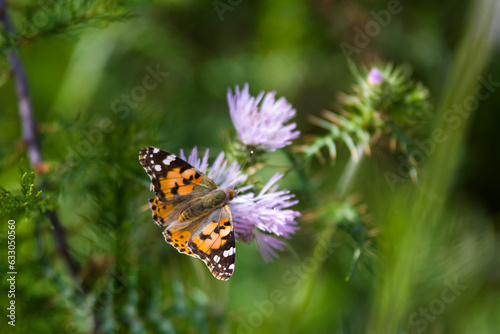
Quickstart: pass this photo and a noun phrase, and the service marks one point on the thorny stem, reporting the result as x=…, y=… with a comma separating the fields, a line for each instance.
x=29, y=137
x=62, y=245
x=25, y=108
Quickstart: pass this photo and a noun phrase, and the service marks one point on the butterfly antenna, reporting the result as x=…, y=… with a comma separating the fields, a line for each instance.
x=244, y=165
x=248, y=159
x=254, y=202
x=242, y=168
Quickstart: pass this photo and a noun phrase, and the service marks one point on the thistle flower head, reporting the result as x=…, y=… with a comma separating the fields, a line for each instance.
x=265, y=212
x=260, y=121
x=384, y=102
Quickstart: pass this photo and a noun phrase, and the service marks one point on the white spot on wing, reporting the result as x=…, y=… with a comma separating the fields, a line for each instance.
x=216, y=258
x=158, y=168
x=169, y=159
x=156, y=150
x=231, y=267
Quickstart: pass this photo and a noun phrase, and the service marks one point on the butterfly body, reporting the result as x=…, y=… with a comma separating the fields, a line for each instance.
x=193, y=209
x=213, y=200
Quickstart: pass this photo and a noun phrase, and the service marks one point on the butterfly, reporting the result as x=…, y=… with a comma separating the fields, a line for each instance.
x=194, y=210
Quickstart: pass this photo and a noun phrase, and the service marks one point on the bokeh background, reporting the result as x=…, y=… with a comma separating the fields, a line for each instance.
x=433, y=266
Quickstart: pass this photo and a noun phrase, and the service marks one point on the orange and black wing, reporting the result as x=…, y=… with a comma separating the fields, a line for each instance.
x=173, y=179
x=175, y=182
x=214, y=243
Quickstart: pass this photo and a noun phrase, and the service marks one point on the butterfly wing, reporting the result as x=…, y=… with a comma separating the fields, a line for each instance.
x=173, y=179
x=176, y=183
x=210, y=238
x=179, y=234
x=214, y=243
x=166, y=213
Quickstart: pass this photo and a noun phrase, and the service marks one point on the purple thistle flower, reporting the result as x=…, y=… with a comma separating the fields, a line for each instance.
x=375, y=77
x=266, y=211
x=268, y=245
x=253, y=215
x=262, y=126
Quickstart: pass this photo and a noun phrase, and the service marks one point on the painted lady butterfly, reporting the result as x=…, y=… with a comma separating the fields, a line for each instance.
x=194, y=210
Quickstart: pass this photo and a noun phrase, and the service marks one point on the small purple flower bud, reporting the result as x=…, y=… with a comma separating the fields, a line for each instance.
x=375, y=77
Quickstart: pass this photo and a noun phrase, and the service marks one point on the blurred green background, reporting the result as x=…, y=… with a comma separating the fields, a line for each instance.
x=82, y=68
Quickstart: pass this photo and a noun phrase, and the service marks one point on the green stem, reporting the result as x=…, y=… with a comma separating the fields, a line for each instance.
x=298, y=167
x=326, y=234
